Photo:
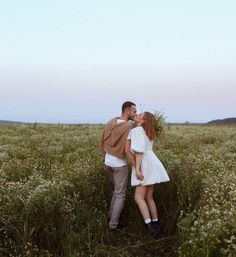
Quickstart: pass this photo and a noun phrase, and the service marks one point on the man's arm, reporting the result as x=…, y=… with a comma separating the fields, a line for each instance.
x=128, y=153
x=101, y=144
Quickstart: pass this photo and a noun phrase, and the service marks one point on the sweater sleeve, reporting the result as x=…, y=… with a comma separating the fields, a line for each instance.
x=137, y=140
x=101, y=144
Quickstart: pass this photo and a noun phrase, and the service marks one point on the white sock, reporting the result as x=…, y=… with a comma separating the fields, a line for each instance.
x=155, y=219
x=147, y=221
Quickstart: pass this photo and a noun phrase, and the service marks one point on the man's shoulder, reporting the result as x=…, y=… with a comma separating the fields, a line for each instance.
x=113, y=124
x=112, y=120
x=117, y=120
x=126, y=123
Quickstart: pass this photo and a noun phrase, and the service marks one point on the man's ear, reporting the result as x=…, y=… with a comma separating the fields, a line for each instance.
x=128, y=109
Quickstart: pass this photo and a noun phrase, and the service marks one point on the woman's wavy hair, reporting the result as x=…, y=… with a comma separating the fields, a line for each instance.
x=149, y=125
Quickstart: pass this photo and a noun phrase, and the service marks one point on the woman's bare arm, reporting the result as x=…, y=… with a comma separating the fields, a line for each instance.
x=138, y=160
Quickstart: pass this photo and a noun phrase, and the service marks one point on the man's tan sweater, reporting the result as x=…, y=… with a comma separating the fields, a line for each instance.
x=114, y=138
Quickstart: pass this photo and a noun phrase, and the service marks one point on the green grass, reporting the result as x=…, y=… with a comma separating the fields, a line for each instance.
x=55, y=194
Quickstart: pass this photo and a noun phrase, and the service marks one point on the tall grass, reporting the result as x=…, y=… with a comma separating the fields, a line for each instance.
x=55, y=194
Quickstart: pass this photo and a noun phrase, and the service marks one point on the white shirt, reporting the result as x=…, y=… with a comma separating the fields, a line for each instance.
x=113, y=161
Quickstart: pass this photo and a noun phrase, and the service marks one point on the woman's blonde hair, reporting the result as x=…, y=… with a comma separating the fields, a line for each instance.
x=149, y=125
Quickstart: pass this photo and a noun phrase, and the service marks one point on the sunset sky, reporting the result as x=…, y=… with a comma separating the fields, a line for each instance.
x=78, y=61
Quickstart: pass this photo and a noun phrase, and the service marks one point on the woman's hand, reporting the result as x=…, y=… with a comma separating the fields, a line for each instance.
x=139, y=175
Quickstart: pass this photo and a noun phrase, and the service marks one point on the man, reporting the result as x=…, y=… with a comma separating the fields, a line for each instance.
x=113, y=147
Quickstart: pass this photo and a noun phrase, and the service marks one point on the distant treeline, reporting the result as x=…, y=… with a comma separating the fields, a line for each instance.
x=10, y=122
x=223, y=121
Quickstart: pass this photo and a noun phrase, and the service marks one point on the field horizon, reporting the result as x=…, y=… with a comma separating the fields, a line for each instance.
x=228, y=120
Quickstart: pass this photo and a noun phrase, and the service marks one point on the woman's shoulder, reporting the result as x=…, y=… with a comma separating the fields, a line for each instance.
x=137, y=130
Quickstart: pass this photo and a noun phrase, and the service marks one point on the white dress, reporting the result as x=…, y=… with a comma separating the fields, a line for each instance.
x=151, y=167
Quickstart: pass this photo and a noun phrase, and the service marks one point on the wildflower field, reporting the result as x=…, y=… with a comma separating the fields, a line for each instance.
x=55, y=194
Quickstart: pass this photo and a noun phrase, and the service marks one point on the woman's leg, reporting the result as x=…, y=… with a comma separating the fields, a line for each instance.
x=150, y=202
x=139, y=197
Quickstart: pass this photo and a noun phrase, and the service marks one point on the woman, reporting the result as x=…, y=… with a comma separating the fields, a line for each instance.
x=148, y=169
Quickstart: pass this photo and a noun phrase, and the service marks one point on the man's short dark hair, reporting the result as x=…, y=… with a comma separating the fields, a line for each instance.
x=126, y=105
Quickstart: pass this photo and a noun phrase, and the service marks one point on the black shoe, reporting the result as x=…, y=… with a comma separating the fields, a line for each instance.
x=120, y=226
x=158, y=226
x=153, y=230
x=118, y=229
x=156, y=222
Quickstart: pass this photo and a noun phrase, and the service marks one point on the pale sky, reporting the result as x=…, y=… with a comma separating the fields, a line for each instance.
x=78, y=61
